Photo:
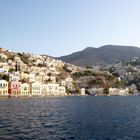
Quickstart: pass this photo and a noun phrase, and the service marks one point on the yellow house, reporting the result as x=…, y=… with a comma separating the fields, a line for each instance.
x=25, y=89
x=53, y=79
x=38, y=78
x=6, y=67
x=3, y=87
x=24, y=76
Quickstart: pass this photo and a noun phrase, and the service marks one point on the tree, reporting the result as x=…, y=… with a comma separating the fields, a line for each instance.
x=122, y=83
x=5, y=77
x=89, y=67
x=106, y=90
x=11, y=70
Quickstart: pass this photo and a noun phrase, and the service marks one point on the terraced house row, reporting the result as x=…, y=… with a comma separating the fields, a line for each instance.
x=16, y=88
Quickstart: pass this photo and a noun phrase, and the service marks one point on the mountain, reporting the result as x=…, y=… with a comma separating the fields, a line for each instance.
x=106, y=54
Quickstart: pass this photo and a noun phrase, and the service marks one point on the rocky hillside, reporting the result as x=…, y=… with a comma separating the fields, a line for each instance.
x=107, y=54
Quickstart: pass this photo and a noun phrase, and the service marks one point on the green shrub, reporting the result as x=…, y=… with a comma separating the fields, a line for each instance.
x=106, y=90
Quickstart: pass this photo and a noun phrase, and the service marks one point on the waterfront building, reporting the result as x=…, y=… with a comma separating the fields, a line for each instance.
x=124, y=92
x=52, y=89
x=62, y=91
x=82, y=91
x=14, y=88
x=119, y=92
x=113, y=91
x=3, y=87
x=25, y=89
x=36, y=89
x=95, y=91
x=44, y=89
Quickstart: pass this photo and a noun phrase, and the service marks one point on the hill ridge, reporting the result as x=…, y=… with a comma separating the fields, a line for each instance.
x=106, y=54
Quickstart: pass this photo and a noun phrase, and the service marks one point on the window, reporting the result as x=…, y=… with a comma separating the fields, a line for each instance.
x=56, y=88
x=25, y=88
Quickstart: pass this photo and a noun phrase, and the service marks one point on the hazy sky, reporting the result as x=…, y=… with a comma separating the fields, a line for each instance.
x=60, y=27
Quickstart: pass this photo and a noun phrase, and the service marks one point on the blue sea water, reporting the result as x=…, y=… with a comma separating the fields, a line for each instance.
x=70, y=118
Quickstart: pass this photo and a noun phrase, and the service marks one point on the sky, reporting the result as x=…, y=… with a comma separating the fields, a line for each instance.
x=61, y=27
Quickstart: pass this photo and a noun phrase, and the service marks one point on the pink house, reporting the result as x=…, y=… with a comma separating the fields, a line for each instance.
x=14, y=88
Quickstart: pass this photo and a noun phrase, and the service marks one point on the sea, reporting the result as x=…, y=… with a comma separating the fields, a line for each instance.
x=70, y=118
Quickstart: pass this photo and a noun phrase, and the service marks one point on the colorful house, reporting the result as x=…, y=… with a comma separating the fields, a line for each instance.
x=25, y=89
x=3, y=87
x=14, y=88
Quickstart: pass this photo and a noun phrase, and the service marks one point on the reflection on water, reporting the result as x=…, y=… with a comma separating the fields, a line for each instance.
x=69, y=118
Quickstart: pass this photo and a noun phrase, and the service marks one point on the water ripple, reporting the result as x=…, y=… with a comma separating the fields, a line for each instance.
x=70, y=118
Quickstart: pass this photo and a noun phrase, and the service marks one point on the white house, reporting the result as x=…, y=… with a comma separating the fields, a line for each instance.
x=31, y=77
x=62, y=91
x=119, y=92
x=36, y=89
x=44, y=89
x=52, y=89
x=82, y=91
